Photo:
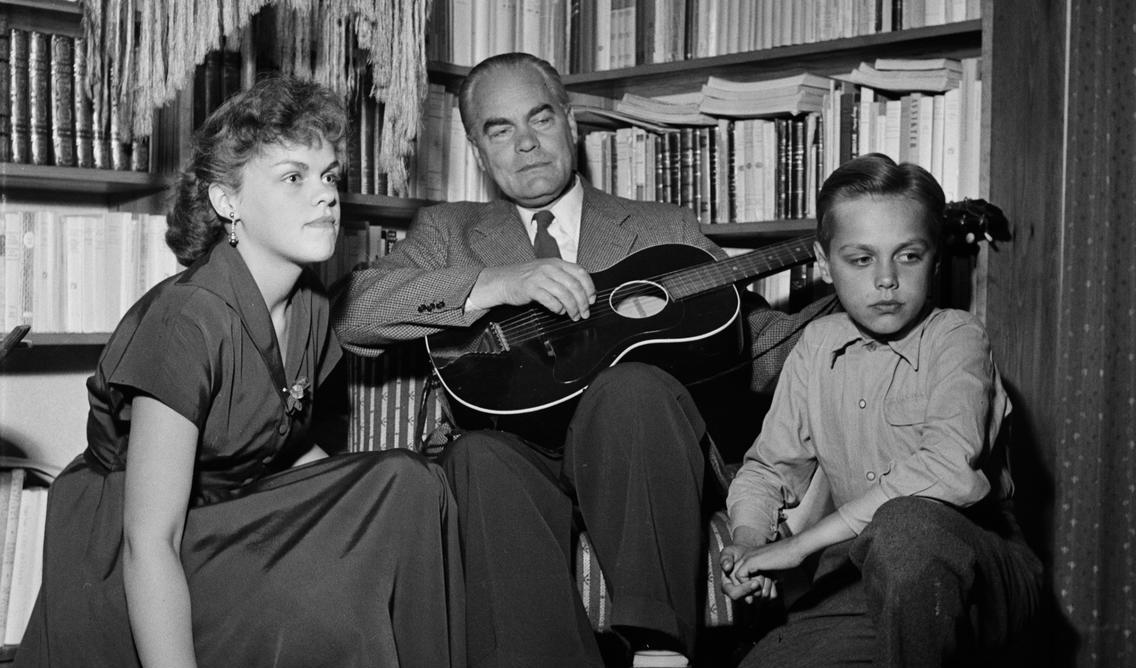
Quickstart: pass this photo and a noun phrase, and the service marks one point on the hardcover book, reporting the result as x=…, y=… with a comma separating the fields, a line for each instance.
x=63, y=100
x=39, y=96
x=83, y=112
x=5, y=94
x=18, y=95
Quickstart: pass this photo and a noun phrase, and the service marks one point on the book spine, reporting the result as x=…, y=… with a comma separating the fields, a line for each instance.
x=5, y=91
x=703, y=169
x=83, y=112
x=784, y=168
x=18, y=94
x=797, y=165
x=11, y=533
x=140, y=154
x=686, y=168
x=230, y=73
x=63, y=100
x=39, y=96
x=28, y=267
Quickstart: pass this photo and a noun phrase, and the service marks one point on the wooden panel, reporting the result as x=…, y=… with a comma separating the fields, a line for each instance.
x=1026, y=85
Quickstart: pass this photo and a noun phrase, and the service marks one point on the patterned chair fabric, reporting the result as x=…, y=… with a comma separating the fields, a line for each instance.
x=388, y=411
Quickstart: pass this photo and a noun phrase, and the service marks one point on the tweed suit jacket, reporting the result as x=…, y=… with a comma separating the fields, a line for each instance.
x=421, y=287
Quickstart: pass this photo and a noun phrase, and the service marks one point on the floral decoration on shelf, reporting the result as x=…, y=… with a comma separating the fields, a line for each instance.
x=969, y=222
x=296, y=393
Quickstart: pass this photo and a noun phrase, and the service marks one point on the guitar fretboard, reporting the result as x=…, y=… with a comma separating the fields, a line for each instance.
x=763, y=262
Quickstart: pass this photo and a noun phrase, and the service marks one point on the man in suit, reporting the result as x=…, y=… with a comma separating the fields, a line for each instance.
x=629, y=468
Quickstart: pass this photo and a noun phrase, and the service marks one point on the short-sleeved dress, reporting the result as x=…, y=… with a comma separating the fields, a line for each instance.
x=351, y=560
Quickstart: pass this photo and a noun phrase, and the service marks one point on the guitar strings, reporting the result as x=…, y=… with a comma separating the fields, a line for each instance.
x=535, y=323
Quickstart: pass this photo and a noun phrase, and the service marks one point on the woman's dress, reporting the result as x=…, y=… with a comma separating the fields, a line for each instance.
x=351, y=560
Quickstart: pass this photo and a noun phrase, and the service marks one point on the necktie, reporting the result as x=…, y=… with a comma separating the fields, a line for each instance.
x=544, y=244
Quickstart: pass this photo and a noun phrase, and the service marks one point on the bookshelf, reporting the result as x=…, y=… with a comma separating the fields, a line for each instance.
x=955, y=40
x=31, y=181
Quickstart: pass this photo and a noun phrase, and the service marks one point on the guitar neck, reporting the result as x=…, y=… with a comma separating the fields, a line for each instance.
x=763, y=262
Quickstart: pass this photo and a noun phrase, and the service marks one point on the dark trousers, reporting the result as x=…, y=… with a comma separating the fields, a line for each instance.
x=630, y=474
x=923, y=585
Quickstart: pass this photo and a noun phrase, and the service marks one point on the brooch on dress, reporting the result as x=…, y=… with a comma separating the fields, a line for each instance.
x=296, y=393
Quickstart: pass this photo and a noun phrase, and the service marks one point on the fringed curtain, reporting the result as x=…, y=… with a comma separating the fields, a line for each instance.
x=141, y=69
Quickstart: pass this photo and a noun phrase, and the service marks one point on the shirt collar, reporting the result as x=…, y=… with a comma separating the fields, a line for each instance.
x=566, y=211
x=907, y=348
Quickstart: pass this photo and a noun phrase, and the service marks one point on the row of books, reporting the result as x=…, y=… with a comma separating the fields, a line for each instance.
x=214, y=80
x=444, y=167
x=46, y=114
x=359, y=243
x=69, y=272
x=736, y=171
x=23, y=515
x=592, y=35
x=753, y=169
x=465, y=32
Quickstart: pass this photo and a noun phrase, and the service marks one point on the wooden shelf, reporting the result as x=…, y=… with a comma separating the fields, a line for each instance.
x=735, y=234
x=954, y=40
x=52, y=16
x=35, y=340
x=40, y=179
x=379, y=207
x=46, y=6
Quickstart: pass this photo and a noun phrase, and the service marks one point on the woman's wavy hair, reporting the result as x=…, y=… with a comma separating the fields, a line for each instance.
x=875, y=174
x=279, y=109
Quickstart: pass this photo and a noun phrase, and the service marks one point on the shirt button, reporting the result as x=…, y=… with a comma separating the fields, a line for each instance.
x=283, y=428
x=247, y=481
x=266, y=460
x=863, y=404
x=871, y=476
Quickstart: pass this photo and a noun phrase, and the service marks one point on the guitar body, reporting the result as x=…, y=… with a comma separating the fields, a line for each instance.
x=517, y=360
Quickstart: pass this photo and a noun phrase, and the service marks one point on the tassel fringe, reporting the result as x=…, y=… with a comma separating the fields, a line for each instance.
x=137, y=71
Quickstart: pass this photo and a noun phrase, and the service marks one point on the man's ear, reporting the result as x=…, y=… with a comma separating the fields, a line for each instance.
x=221, y=200
x=571, y=114
x=822, y=262
x=477, y=153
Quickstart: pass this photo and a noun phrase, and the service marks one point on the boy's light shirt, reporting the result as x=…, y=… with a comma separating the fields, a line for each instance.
x=565, y=227
x=914, y=417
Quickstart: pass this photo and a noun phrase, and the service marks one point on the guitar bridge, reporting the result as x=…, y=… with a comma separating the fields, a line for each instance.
x=499, y=337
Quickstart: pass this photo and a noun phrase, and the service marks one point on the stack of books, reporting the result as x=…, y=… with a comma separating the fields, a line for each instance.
x=46, y=117
x=792, y=95
x=935, y=75
x=23, y=516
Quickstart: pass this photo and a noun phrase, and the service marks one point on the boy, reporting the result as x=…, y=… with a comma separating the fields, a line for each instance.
x=899, y=404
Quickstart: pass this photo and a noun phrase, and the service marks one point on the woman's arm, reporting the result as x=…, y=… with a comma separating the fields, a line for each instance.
x=159, y=475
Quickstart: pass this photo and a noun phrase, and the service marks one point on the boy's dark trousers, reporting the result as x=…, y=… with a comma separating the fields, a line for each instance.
x=923, y=585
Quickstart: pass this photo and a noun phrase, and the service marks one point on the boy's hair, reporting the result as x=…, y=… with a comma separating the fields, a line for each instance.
x=875, y=174
x=516, y=61
x=280, y=109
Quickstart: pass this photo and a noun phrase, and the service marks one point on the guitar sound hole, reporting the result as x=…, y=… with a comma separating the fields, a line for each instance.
x=638, y=299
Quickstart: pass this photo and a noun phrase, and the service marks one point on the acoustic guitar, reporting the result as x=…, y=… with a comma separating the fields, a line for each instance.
x=518, y=360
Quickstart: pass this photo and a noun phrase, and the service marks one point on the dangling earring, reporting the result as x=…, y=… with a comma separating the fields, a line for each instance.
x=233, y=230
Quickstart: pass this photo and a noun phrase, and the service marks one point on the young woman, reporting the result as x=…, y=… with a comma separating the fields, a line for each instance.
x=205, y=523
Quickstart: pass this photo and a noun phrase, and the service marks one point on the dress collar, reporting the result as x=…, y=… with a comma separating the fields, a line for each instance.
x=223, y=272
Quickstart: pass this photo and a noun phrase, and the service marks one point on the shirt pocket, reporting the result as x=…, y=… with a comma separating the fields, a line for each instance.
x=906, y=411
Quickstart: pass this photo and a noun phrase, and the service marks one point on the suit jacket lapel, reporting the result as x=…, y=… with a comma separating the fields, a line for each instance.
x=498, y=236
x=603, y=238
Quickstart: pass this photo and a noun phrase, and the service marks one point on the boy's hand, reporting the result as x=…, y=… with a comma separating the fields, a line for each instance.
x=750, y=588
